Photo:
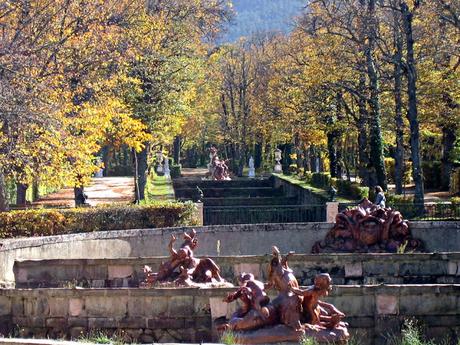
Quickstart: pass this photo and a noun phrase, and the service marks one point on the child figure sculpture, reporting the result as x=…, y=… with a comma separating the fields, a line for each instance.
x=316, y=312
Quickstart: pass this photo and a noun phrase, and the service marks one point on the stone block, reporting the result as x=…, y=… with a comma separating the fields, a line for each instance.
x=21, y=276
x=25, y=332
x=77, y=332
x=148, y=306
x=132, y=322
x=40, y=333
x=166, y=323
x=76, y=306
x=103, y=306
x=17, y=306
x=41, y=307
x=247, y=268
x=133, y=335
x=98, y=283
x=147, y=339
x=361, y=305
x=201, y=305
x=5, y=305
x=218, y=308
x=387, y=305
x=77, y=322
x=59, y=323
x=452, y=268
x=415, y=305
x=58, y=307
x=354, y=270
x=120, y=271
x=180, y=306
x=102, y=322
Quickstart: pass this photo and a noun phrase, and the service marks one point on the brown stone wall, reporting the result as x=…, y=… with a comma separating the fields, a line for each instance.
x=171, y=315
x=345, y=269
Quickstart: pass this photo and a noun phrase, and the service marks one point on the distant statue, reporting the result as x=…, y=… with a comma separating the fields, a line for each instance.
x=218, y=169
x=166, y=170
x=252, y=170
x=368, y=228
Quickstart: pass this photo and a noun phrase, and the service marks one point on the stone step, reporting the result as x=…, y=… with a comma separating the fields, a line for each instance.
x=247, y=192
x=185, y=183
x=235, y=201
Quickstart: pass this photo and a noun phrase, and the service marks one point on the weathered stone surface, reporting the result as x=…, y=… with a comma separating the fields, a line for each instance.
x=247, y=268
x=202, y=305
x=17, y=306
x=102, y=322
x=452, y=268
x=76, y=306
x=180, y=306
x=354, y=270
x=387, y=305
x=77, y=322
x=166, y=323
x=146, y=339
x=56, y=322
x=218, y=309
x=77, y=332
x=58, y=306
x=119, y=271
x=103, y=306
x=428, y=305
x=5, y=306
x=132, y=322
x=21, y=275
x=148, y=306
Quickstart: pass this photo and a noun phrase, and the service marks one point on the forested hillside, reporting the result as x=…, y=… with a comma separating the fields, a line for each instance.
x=262, y=15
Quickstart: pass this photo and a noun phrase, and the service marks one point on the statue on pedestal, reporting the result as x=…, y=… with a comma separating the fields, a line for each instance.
x=368, y=228
x=252, y=170
x=295, y=313
x=218, y=169
x=183, y=269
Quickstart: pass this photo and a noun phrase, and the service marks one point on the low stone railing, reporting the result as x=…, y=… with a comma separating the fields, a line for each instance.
x=349, y=269
x=175, y=315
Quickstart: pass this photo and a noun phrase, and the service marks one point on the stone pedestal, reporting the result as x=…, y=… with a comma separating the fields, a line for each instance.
x=332, y=210
x=200, y=213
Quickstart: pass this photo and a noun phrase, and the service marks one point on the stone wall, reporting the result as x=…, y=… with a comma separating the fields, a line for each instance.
x=169, y=315
x=305, y=196
x=222, y=240
x=349, y=269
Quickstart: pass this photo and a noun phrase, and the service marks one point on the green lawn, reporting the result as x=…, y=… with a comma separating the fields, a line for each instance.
x=159, y=188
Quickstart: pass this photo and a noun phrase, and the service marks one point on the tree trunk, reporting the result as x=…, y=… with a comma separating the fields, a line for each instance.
x=4, y=206
x=332, y=152
x=399, y=123
x=35, y=190
x=258, y=155
x=21, y=193
x=79, y=195
x=286, y=161
x=412, y=113
x=142, y=167
x=448, y=144
x=363, y=156
x=376, y=141
x=176, y=149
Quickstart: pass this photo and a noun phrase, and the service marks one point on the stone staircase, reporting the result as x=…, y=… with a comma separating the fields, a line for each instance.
x=246, y=201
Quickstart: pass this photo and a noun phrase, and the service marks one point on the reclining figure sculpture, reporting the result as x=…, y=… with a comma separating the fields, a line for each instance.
x=183, y=268
x=293, y=314
x=368, y=228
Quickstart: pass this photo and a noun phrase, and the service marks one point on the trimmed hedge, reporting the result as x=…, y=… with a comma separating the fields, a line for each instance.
x=391, y=170
x=351, y=190
x=46, y=222
x=455, y=182
x=321, y=180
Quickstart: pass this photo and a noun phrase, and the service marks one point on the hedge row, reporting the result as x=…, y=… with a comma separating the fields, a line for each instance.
x=45, y=222
x=346, y=189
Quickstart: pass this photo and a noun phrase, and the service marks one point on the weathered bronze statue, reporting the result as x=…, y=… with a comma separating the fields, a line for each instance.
x=293, y=314
x=218, y=168
x=368, y=228
x=183, y=269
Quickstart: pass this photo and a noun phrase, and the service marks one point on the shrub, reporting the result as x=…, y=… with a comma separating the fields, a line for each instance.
x=351, y=190
x=432, y=174
x=455, y=182
x=176, y=170
x=54, y=222
x=390, y=169
x=321, y=180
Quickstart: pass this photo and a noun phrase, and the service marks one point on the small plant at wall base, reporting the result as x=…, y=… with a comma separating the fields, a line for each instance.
x=228, y=338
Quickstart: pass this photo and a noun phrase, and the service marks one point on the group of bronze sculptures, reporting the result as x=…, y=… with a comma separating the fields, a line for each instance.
x=294, y=312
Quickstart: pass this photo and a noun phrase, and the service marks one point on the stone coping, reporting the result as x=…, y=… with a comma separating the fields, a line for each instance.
x=19, y=341
x=14, y=243
x=337, y=290
x=334, y=257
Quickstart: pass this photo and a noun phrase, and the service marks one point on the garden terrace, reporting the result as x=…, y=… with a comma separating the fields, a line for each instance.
x=186, y=314
x=345, y=269
x=224, y=240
